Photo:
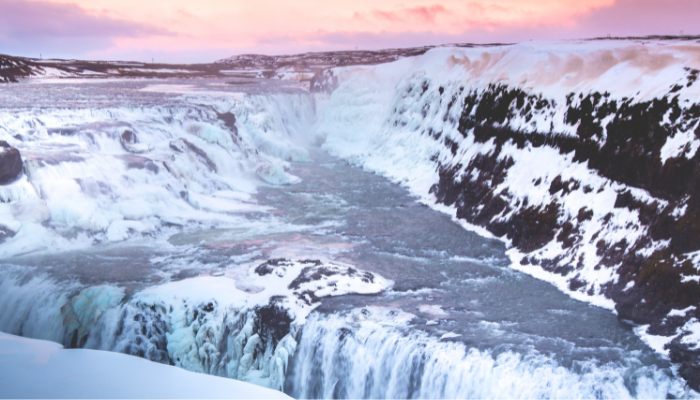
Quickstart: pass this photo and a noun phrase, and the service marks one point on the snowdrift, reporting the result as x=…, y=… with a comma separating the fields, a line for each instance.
x=37, y=369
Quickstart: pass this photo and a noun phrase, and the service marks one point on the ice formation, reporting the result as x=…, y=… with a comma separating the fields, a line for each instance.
x=242, y=325
x=414, y=365
x=118, y=173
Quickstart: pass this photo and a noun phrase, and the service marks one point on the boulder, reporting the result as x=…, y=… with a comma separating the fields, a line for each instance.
x=10, y=163
x=131, y=144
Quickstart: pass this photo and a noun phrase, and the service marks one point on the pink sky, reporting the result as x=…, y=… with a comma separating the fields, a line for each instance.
x=207, y=30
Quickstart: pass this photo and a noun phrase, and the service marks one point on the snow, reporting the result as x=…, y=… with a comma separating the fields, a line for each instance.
x=190, y=90
x=692, y=337
x=234, y=297
x=655, y=342
x=682, y=143
x=203, y=324
x=203, y=173
x=31, y=368
x=681, y=313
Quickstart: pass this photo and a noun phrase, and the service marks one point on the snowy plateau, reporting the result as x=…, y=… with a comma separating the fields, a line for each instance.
x=506, y=221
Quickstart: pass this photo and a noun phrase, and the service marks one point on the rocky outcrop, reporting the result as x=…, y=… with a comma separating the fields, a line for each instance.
x=10, y=163
x=13, y=68
x=214, y=325
x=654, y=261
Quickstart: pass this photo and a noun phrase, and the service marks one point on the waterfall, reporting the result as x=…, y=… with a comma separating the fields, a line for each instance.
x=339, y=359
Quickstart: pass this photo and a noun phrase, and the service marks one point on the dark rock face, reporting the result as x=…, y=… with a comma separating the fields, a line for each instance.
x=272, y=322
x=626, y=150
x=128, y=137
x=688, y=360
x=10, y=163
x=12, y=68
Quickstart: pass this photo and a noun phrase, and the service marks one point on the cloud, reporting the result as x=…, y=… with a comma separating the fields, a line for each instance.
x=642, y=17
x=30, y=26
x=421, y=14
x=624, y=18
x=67, y=30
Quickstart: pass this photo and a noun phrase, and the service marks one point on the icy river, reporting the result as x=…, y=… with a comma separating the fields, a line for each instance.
x=455, y=320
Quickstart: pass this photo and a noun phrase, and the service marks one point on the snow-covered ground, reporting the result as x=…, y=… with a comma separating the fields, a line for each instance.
x=31, y=368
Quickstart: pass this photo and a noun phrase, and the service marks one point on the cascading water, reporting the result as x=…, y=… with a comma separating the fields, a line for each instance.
x=337, y=358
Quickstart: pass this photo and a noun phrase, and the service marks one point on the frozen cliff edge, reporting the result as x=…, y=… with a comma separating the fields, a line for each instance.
x=38, y=369
x=581, y=155
x=242, y=324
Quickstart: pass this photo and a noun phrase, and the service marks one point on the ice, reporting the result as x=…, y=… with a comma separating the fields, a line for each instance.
x=198, y=157
x=85, y=309
x=434, y=310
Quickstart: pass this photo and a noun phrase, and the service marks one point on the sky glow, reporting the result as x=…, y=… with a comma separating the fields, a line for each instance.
x=206, y=30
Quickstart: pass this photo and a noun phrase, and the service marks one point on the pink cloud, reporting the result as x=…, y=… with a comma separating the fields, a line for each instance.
x=38, y=18
x=27, y=27
x=424, y=14
x=624, y=18
x=68, y=30
x=642, y=17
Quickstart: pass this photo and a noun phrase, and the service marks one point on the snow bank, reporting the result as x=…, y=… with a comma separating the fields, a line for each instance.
x=33, y=368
